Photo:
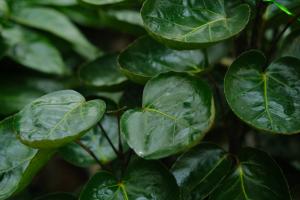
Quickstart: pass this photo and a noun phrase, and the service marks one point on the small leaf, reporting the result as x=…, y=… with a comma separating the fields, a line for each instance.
x=200, y=170
x=102, y=72
x=266, y=99
x=193, y=24
x=18, y=163
x=257, y=176
x=57, y=119
x=96, y=142
x=33, y=50
x=57, y=196
x=143, y=180
x=177, y=112
x=146, y=58
x=52, y=21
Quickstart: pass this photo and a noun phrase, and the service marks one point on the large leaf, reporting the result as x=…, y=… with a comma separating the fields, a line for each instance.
x=18, y=163
x=192, y=24
x=146, y=58
x=52, y=21
x=103, y=72
x=266, y=99
x=16, y=92
x=143, y=180
x=33, y=50
x=177, y=112
x=57, y=118
x=199, y=171
x=96, y=142
x=257, y=176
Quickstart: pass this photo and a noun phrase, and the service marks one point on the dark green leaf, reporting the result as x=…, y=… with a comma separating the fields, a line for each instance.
x=257, y=176
x=103, y=72
x=193, y=24
x=266, y=99
x=291, y=45
x=52, y=21
x=57, y=196
x=18, y=163
x=146, y=58
x=199, y=171
x=55, y=2
x=57, y=119
x=103, y=2
x=96, y=142
x=143, y=180
x=177, y=112
x=33, y=50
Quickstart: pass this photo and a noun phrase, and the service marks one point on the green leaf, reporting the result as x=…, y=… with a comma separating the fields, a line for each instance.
x=177, y=112
x=18, y=163
x=16, y=92
x=193, y=24
x=143, y=180
x=57, y=196
x=199, y=171
x=103, y=2
x=96, y=142
x=52, y=21
x=266, y=99
x=146, y=58
x=103, y=72
x=57, y=118
x=55, y=2
x=33, y=50
x=291, y=45
x=257, y=176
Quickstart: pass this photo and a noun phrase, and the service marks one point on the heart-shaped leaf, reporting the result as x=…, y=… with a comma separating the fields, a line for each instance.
x=53, y=21
x=102, y=72
x=57, y=118
x=18, y=163
x=96, y=142
x=143, y=180
x=257, y=176
x=146, y=58
x=177, y=112
x=33, y=50
x=200, y=170
x=266, y=99
x=192, y=24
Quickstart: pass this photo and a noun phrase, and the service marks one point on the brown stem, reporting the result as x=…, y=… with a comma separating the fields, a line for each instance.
x=108, y=139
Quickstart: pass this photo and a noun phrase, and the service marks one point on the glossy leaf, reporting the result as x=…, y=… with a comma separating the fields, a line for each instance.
x=146, y=58
x=192, y=24
x=57, y=196
x=57, y=118
x=103, y=72
x=18, y=163
x=52, y=21
x=177, y=112
x=96, y=142
x=16, y=92
x=257, y=176
x=33, y=50
x=199, y=171
x=266, y=99
x=143, y=180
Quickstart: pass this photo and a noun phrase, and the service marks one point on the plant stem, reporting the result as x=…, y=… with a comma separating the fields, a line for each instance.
x=89, y=151
x=280, y=34
x=119, y=134
x=258, y=25
x=108, y=139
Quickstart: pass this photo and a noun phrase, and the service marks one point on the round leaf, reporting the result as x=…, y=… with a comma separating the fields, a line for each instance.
x=146, y=58
x=102, y=72
x=192, y=24
x=257, y=176
x=143, y=180
x=177, y=112
x=96, y=142
x=266, y=99
x=200, y=170
x=18, y=163
x=57, y=118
